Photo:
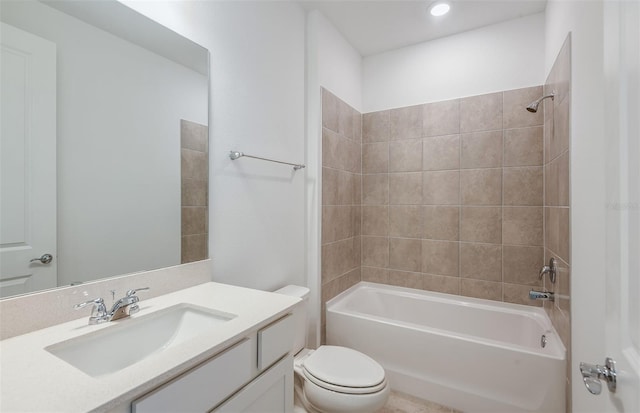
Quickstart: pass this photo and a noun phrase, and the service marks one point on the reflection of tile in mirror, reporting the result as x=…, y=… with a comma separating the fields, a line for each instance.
x=194, y=139
x=193, y=136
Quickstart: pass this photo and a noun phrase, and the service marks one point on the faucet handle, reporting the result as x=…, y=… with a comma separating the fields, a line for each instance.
x=132, y=292
x=97, y=302
x=98, y=312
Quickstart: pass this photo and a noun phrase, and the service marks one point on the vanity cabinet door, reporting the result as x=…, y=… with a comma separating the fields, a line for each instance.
x=205, y=386
x=271, y=392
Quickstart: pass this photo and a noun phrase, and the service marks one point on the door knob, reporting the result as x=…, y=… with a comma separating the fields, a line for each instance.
x=593, y=373
x=45, y=259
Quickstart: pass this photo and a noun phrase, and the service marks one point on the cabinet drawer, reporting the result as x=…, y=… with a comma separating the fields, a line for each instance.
x=205, y=386
x=275, y=340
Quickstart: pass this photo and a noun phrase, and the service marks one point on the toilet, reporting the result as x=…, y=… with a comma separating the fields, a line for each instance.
x=333, y=379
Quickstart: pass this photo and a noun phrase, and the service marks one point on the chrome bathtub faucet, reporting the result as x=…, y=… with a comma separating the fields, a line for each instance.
x=541, y=295
x=122, y=308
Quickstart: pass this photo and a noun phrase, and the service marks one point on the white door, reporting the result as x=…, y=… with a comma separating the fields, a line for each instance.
x=621, y=304
x=27, y=162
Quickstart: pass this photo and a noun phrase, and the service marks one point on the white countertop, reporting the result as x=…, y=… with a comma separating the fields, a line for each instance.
x=34, y=380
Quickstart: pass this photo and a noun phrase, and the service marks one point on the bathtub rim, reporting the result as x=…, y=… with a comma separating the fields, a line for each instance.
x=521, y=309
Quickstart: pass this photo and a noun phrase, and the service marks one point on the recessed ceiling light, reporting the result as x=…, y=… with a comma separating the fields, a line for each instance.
x=439, y=8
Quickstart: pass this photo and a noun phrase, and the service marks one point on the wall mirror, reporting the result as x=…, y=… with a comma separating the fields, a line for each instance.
x=104, y=150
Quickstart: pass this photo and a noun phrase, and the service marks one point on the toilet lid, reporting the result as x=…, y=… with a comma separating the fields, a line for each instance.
x=344, y=367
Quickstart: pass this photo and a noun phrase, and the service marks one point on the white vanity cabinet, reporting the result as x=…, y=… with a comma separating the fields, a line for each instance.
x=255, y=374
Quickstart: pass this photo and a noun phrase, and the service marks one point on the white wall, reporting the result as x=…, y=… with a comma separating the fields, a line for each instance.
x=503, y=56
x=257, y=223
x=334, y=64
x=118, y=192
x=588, y=196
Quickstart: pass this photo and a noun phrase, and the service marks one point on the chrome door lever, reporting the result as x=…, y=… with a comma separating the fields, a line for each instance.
x=45, y=259
x=593, y=373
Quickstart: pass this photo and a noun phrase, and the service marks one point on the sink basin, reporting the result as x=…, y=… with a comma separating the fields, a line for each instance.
x=130, y=340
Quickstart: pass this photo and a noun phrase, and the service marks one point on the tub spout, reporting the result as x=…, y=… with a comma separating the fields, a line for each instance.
x=541, y=295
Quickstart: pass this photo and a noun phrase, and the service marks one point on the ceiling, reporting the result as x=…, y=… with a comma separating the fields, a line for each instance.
x=377, y=26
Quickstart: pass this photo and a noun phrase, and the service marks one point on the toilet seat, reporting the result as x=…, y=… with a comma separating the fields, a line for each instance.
x=344, y=370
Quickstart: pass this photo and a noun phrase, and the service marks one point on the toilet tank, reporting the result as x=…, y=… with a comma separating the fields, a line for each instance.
x=299, y=314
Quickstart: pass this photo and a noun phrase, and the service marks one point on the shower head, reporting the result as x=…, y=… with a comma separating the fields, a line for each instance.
x=533, y=106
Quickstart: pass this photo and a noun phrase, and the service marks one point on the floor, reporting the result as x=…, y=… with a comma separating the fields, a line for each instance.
x=404, y=403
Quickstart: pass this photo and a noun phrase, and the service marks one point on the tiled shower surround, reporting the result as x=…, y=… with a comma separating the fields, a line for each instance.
x=194, y=155
x=445, y=196
x=341, y=194
x=557, y=209
x=452, y=196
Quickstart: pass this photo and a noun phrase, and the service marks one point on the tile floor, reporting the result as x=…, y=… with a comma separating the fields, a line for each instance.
x=404, y=403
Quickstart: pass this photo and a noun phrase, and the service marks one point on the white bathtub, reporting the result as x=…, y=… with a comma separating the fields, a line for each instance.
x=470, y=354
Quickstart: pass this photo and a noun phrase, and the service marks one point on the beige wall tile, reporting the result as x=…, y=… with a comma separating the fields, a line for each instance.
x=405, y=279
x=329, y=110
x=521, y=265
x=405, y=188
x=522, y=226
x=405, y=156
x=562, y=162
x=194, y=248
x=375, y=157
x=479, y=113
x=441, y=152
x=481, y=150
x=333, y=150
x=357, y=126
x=441, y=118
x=519, y=294
x=441, y=283
x=552, y=229
x=340, y=187
x=194, y=220
x=194, y=165
x=488, y=290
x=375, y=220
x=563, y=287
x=564, y=236
x=194, y=193
x=375, y=275
x=440, y=257
x=356, y=184
x=376, y=126
x=560, y=136
x=406, y=221
x=442, y=222
x=405, y=254
x=481, y=224
x=551, y=174
x=441, y=188
x=515, y=103
x=406, y=123
x=548, y=127
x=340, y=222
x=329, y=186
x=523, y=147
x=346, y=122
x=481, y=187
x=375, y=251
x=340, y=257
x=523, y=186
x=375, y=189
x=481, y=261
x=194, y=136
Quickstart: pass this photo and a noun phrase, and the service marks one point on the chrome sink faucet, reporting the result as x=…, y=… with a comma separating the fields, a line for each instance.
x=122, y=308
